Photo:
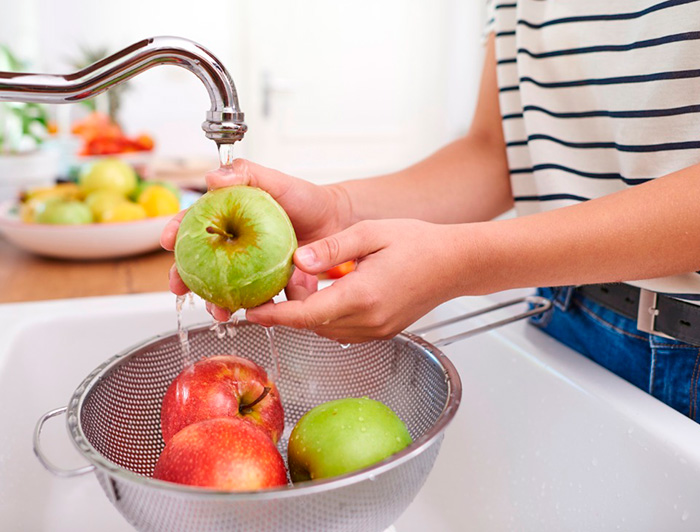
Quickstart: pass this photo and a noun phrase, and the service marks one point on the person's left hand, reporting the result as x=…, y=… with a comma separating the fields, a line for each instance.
x=405, y=268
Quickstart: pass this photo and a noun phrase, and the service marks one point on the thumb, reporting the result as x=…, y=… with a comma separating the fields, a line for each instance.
x=353, y=243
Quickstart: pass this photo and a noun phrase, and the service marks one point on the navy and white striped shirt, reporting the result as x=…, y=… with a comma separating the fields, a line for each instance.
x=597, y=96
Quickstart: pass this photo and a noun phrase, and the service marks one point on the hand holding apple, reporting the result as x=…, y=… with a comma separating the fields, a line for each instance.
x=222, y=386
x=315, y=211
x=234, y=247
x=223, y=453
x=342, y=436
x=405, y=268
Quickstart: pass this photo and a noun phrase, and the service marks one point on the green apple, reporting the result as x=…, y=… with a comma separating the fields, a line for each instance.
x=109, y=174
x=234, y=247
x=342, y=436
x=65, y=213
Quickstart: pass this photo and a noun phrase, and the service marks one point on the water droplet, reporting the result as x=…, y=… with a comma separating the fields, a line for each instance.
x=685, y=516
x=181, y=332
x=344, y=346
x=594, y=462
x=363, y=429
x=360, y=418
x=274, y=354
x=398, y=439
x=372, y=478
x=231, y=327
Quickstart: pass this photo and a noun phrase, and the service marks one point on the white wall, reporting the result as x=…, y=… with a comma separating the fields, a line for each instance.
x=170, y=102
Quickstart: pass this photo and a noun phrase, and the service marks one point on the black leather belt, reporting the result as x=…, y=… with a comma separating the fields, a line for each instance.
x=654, y=313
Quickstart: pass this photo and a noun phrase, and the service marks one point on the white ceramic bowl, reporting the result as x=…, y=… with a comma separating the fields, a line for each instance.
x=29, y=170
x=90, y=241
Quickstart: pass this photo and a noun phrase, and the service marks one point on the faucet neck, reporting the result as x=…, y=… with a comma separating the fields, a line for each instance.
x=224, y=121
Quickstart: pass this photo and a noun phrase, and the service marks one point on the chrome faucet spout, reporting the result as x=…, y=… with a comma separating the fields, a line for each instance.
x=224, y=121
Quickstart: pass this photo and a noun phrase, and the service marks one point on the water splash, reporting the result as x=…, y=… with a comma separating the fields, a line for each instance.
x=219, y=329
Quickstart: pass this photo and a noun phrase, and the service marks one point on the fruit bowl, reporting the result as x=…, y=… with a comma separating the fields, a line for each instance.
x=89, y=241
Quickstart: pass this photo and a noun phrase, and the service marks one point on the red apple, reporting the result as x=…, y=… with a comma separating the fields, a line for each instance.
x=223, y=453
x=222, y=386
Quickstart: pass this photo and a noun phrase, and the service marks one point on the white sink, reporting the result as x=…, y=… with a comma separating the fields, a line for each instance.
x=544, y=439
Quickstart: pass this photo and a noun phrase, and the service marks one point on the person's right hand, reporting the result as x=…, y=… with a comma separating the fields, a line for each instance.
x=315, y=212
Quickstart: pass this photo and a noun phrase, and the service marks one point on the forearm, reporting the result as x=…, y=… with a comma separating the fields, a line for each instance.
x=648, y=231
x=465, y=181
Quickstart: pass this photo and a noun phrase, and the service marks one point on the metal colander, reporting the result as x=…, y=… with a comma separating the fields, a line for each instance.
x=114, y=420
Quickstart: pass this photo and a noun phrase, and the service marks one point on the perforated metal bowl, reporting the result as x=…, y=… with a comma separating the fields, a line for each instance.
x=114, y=420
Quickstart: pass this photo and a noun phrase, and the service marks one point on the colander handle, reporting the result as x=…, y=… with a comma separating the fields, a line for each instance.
x=539, y=305
x=65, y=473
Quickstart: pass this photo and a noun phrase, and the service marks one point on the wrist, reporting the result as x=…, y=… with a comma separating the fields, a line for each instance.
x=481, y=262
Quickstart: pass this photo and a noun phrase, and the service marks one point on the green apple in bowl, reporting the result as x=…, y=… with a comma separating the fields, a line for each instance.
x=343, y=436
x=109, y=174
x=234, y=247
x=65, y=213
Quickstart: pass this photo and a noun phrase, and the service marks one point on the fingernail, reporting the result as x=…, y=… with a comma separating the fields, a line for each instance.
x=307, y=257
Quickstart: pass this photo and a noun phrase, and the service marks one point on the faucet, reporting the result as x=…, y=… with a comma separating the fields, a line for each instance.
x=224, y=120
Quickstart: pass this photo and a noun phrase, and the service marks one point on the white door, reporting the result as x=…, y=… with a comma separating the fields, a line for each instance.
x=339, y=89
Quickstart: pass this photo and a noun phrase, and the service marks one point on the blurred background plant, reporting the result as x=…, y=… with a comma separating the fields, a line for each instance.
x=23, y=126
x=114, y=97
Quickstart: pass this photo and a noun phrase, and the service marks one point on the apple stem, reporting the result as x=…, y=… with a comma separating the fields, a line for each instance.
x=216, y=231
x=247, y=408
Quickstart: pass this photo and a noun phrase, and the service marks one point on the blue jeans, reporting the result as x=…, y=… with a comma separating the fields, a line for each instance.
x=667, y=369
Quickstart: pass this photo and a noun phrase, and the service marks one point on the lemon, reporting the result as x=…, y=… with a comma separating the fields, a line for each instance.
x=158, y=200
x=143, y=185
x=126, y=211
x=102, y=201
x=109, y=174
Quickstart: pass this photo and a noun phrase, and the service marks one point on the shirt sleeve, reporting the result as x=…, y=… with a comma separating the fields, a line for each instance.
x=490, y=22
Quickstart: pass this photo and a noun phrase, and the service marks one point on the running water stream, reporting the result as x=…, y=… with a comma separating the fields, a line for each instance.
x=181, y=331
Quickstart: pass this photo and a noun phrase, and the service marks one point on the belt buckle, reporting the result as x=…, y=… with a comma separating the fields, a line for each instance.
x=647, y=312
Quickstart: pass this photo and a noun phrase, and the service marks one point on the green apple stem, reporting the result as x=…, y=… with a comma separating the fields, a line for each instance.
x=216, y=231
x=244, y=409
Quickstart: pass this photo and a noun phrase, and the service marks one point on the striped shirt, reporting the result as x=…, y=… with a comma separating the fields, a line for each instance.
x=597, y=96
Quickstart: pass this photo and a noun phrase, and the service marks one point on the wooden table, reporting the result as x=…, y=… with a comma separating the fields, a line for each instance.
x=27, y=277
